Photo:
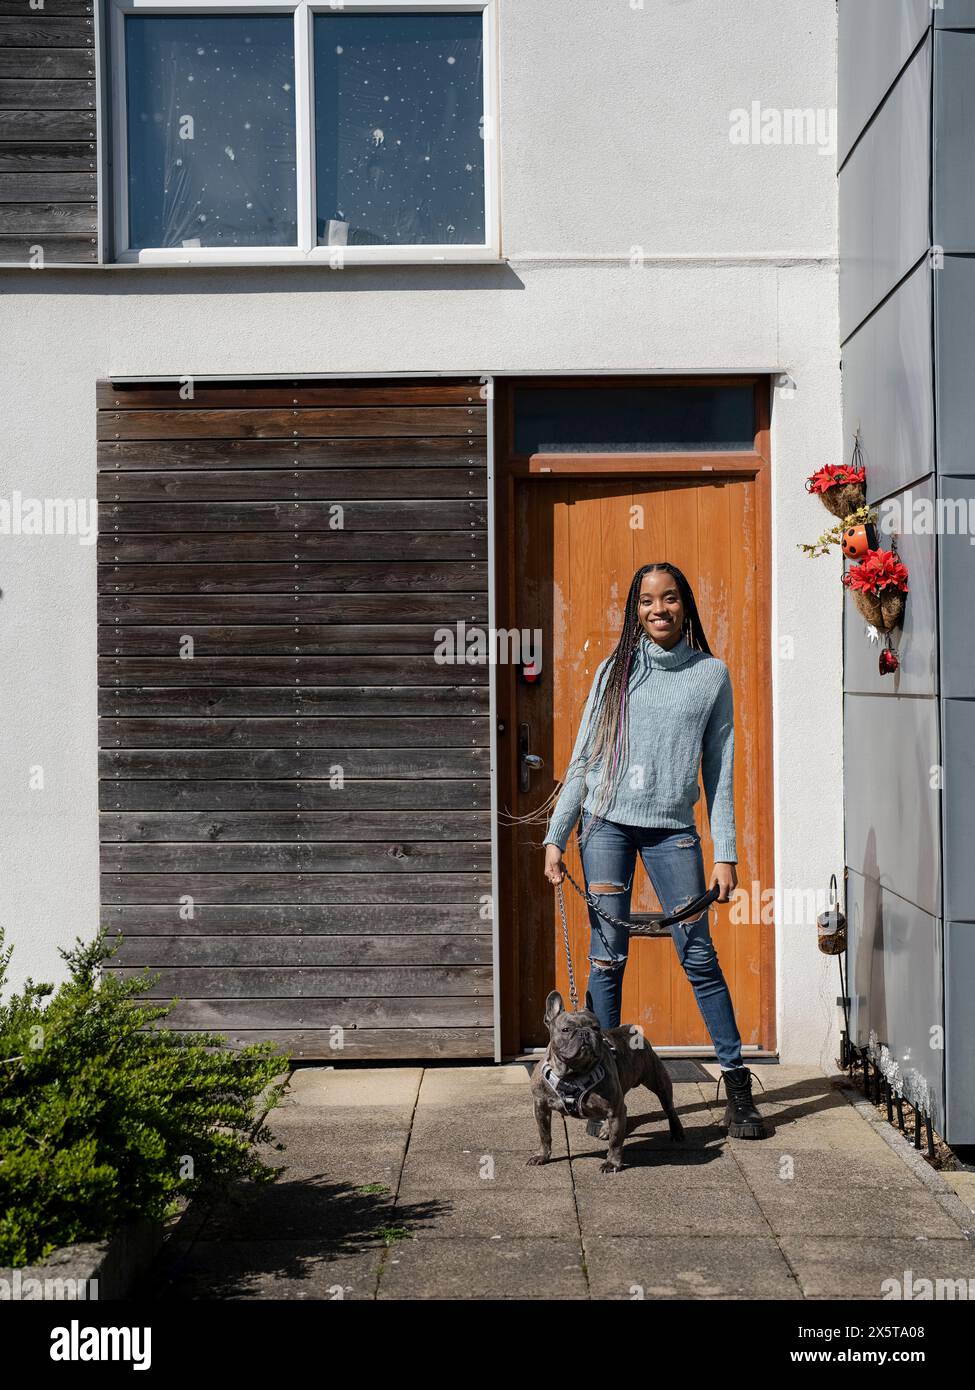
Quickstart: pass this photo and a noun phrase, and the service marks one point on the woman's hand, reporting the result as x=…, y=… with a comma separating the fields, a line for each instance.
x=726, y=878
x=554, y=871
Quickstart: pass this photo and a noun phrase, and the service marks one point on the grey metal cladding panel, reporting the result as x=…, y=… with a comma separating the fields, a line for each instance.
x=959, y=1025
x=959, y=812
x=891, y=811
x=896, y=982
x=875, y=40
x=863, y=934
x=884, y=196
x=887, y=388
x=954, y=136
x=955, y=14
x=956, y=587
x=954, y=350
x=916, y=641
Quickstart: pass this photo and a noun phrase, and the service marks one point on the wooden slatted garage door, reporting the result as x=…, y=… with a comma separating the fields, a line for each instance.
x=295, y=791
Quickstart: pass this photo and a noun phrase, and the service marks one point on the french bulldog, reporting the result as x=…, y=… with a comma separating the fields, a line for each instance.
x=586, y=1073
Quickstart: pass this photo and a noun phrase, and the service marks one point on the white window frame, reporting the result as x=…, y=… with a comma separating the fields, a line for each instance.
x=306, y=252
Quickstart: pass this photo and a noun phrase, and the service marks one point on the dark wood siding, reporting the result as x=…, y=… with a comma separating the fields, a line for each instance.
x=48, y=173
x=315, y=907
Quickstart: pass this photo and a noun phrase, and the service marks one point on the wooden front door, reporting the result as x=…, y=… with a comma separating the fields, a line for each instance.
x=572, y=532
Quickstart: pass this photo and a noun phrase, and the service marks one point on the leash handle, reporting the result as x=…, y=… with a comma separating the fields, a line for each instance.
x=573, y=996
x=663, y=919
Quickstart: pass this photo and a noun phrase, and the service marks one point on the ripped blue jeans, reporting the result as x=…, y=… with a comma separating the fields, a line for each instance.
x=675, y=865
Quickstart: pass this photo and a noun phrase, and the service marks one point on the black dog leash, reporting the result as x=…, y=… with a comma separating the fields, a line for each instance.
x=650, y=924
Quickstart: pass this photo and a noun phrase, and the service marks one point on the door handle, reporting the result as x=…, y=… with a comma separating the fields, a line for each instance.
x=528, y=762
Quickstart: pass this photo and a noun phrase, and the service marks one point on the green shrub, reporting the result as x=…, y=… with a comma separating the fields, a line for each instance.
x=104, y=1118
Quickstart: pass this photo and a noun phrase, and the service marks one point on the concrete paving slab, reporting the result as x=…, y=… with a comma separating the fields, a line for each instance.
x=856, y=1269
x=474, y=1267
x=340, y=1120
x=298, y=1210
x=499, y=1170
x=314, y=1154
x=963, y=1183
x=698, y=1134
x=463, y=1213
x=828, y=1169
x=367, y=1087
x=480, y=1128
x=863, y=1212
x=688, y=1267
x=273, y=1269
x=650, y=1166
x=461, y=1085
x=617, y=1211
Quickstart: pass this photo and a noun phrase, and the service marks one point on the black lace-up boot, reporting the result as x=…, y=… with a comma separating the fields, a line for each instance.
x=741, y=1118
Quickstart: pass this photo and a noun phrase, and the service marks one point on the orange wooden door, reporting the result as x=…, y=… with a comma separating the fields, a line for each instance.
x=575, y=544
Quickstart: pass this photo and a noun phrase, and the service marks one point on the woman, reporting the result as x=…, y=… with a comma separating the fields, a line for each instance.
x=660, y=705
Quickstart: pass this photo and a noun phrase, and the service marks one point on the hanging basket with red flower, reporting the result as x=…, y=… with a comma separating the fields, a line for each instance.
x=879, y=586
x=841, y=487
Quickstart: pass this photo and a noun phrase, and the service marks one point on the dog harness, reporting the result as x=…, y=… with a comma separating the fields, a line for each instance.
x=572, y=1090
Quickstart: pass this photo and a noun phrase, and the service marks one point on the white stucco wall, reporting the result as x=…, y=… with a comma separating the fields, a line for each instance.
x=614, y=135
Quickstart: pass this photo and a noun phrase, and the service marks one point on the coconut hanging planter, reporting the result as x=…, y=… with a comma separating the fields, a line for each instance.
x=892, y=606
x=838, y=492
x=869, y=606
x=878, y=585
x=841, y=487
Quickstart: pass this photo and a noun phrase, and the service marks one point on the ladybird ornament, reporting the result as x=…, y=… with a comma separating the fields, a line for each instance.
x=857, y=540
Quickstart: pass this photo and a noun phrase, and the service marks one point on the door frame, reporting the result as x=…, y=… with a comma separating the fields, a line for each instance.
x=510, y=468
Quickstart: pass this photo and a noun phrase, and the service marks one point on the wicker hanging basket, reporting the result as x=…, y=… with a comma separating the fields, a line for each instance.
x=892, y=607
x=884, y=610
x=869, y=606
x=844, y=498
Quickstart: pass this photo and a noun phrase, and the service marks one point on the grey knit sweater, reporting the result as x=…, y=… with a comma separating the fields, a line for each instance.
x=681, y=715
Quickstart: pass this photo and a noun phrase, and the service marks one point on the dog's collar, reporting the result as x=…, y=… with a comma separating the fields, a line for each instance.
x=572, y=1090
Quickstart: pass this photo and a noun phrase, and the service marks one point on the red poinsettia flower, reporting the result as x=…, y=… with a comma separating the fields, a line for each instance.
x=878, y=570
x=834, y=475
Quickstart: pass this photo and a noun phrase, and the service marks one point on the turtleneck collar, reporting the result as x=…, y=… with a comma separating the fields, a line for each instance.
x=655, y=655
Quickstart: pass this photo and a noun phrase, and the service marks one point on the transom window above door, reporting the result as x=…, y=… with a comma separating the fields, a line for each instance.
x=620, y=416
x=298, y=131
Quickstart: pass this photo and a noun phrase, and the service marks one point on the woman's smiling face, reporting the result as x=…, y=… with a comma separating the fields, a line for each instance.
x=660, y=608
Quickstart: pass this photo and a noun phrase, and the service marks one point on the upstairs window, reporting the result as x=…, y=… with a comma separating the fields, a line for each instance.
x=399, y=149
x=302, y=132
x=210, y=121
